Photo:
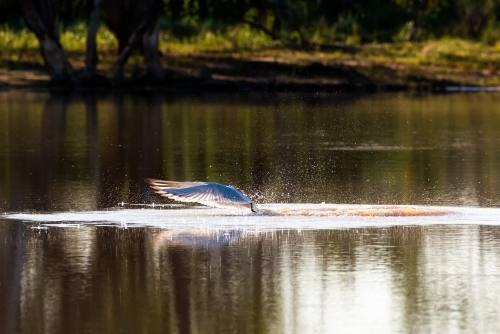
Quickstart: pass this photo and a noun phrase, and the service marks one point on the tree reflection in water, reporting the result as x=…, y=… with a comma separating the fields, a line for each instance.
x=140, y=280
x=86, y=152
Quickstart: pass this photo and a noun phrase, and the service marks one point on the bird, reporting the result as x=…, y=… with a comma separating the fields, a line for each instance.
x=207, y=193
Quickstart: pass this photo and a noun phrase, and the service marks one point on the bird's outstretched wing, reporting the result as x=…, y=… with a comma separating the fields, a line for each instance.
x=171, y=184
x=211, y=194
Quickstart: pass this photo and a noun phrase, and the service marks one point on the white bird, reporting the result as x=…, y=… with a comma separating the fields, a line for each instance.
x=207, y=193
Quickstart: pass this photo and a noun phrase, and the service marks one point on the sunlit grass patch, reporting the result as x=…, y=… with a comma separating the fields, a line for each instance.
x=22, y=39
x=239, y=37
x=74, y=38
x=18, y=47
x=452, y=59
x=22, y=47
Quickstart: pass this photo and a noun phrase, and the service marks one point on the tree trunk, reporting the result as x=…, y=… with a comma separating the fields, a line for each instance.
x=125, y=54
x=40, y=18
x=147, y=33
x=91, y=58
x=280, y=16
x=151, y=56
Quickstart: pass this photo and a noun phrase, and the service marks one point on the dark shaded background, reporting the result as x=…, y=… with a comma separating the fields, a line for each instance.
x=380, y=20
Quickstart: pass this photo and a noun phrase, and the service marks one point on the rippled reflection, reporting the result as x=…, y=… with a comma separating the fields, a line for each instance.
x=83, y=151
x=108, y=279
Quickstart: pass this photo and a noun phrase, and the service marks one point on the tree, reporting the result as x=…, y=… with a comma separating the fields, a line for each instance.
x=40, y=18
x=134, y=22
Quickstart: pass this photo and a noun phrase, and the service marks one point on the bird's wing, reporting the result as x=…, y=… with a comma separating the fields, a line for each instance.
x=210, y=194
x=161, y=184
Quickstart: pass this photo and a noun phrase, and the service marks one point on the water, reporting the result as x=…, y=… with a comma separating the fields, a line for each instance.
x=380, y=214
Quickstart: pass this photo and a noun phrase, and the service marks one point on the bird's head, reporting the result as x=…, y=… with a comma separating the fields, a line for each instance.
x=253, y=207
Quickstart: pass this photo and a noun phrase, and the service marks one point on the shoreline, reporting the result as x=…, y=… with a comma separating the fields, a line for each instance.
x=257, y=71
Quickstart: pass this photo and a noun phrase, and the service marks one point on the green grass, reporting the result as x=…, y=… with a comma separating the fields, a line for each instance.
x=74, y=38
x=459, y=60
x=236, y=38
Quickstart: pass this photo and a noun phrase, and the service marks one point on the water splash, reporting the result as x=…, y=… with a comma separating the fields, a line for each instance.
x=273, y=217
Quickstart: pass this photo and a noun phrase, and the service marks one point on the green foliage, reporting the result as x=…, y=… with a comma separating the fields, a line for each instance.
x=13, y=44
x=74, y=38
x=324, y=22
x=491, y=33
x=238, y=37
x=297, y=22
x=21, y=45
x=12, y=39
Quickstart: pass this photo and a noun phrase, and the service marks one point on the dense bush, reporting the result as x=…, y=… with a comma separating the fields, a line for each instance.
x=304, y=21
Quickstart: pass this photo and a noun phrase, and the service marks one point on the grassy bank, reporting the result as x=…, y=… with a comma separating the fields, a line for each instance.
x=400, y=63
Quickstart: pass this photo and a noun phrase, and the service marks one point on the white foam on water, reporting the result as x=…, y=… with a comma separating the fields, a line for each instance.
x=274, y=216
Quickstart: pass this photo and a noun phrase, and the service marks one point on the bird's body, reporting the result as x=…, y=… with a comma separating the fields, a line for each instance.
x=207, y=193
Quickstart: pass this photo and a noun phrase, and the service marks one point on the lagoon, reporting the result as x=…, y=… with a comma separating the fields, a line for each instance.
x=75, y=260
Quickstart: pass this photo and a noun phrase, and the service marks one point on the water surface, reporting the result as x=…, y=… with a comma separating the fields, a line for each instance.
x=74, y=261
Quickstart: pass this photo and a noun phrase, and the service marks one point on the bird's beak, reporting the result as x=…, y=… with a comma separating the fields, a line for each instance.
x=253, y=208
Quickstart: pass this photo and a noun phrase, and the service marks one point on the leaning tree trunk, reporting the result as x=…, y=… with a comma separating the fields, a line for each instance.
x=148, y=30
x=125, y=54
x=40, y=18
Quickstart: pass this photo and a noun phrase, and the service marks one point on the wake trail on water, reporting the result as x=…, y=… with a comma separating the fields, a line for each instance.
x=360, y=210
x=271, y=216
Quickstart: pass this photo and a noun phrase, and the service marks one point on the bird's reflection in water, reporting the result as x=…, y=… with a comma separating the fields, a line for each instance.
x=195, y=237
x=187, y=254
